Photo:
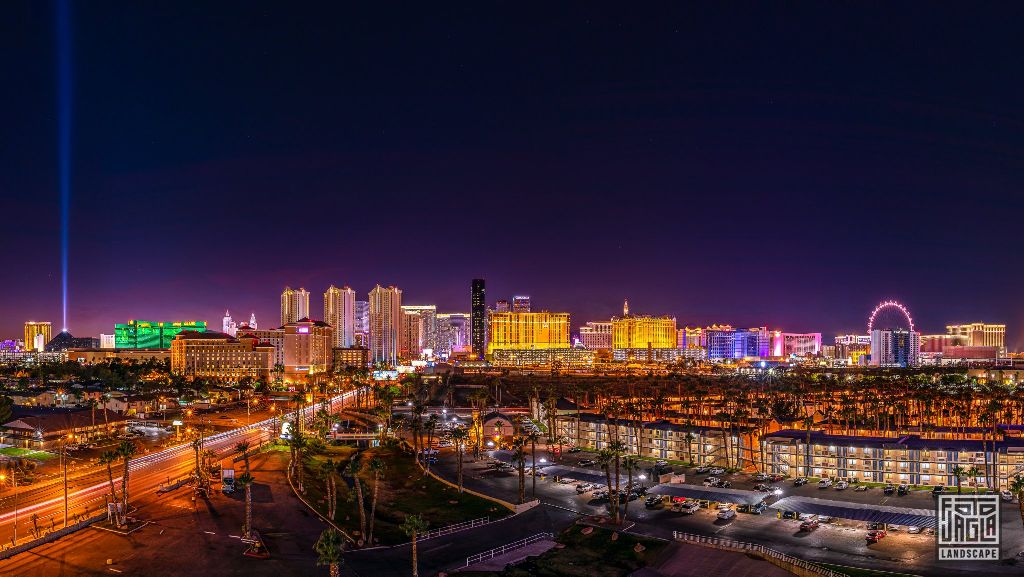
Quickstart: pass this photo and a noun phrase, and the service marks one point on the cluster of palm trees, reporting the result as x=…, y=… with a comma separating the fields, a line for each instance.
x=124, y=452
x=331, y=545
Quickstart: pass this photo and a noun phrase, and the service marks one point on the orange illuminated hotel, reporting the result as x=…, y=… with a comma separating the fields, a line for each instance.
x=520, y=331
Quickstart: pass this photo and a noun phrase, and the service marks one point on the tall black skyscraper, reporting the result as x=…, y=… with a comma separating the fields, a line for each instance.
x=478, y=318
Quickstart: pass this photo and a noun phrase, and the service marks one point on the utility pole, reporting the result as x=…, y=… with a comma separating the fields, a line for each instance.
x=64, y=466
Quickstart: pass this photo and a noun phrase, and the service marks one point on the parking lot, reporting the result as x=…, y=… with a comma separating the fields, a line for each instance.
x=839, y=541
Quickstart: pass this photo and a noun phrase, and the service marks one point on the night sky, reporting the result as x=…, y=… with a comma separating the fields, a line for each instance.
x=786, y=168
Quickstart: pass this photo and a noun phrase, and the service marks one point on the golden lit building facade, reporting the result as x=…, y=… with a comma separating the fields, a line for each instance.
x=308, y=349
x=294, y=305
x=636, y=332
x=32, y=329
x=220, y=357
x=980, y=334
x=524, y=331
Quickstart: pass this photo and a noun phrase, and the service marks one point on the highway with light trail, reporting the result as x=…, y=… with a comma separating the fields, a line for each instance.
x=88, y=492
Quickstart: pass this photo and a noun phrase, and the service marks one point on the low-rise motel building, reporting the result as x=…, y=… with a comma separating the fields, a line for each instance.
x=44, y=429
x=660, y=439
x=913, y=457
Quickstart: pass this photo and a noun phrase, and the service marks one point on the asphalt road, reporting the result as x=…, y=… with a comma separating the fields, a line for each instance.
x=88, y=490
x=187, y=538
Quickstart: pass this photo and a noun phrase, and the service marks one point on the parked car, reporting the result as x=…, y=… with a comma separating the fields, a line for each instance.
x=809, y=525
x=574, y=450
x=717, y=471
x=701, y=470
x=584, y=487
x=722, y=484
x=790, y=515
x=824, y=483
x=753, y=509
x=654, y=502
x=761, y=477
x=903, y=489
x=875, y=536
x=861, y=488
x=776, y=477
x=762, y=488
x=661, y=463
x=913, y=530
x=726, y=514
x=888, y=489
x=710, y=481
x=799, y=481
x=842, y=485
x=1006, y=495
x=938, y=490
x=587, y=463
x=600, y=495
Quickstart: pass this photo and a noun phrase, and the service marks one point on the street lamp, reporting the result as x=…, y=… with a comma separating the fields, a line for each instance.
x=14, y=481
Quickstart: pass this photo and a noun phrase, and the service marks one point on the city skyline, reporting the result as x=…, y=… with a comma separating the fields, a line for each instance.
x=826, y=156
x=936, y=327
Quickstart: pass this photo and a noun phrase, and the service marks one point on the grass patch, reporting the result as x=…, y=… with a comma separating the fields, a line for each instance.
x=594, y=555
x=404, y=491
x=26, y=454
x=858, y=572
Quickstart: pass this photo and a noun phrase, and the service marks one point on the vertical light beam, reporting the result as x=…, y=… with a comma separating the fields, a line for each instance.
x=63, y=33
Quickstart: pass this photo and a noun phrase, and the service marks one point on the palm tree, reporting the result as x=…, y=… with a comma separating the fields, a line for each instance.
x=618, y=449
x=298, y=442
x=958, y=473
x=377, y=467
x=243, y=448
x=605, y=458
x=330, y=549
x=519, y=459
x=532, y=437
x=973, y=472
x=246, y=480
x=106, y=419
x=353, y=468
x=1017, y=488
x=414, y=525
x=326, y=473
x=459, y=437
x=631, y=464
x=126, y=450
x=108, y=458
x=431, y=427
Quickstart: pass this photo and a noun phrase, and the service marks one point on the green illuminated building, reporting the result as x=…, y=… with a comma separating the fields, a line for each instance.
x=151, y=335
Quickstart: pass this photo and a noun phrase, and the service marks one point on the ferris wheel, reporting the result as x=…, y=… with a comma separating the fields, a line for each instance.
x=888, y=309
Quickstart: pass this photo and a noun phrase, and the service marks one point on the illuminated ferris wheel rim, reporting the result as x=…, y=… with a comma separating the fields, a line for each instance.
x=889, y=304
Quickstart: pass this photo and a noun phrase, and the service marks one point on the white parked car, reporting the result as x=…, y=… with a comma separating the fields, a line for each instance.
x=726, y=513
x=689, y=508
x=1006, y=495
x=842, y=485
x=717, y=471
x=824, y=483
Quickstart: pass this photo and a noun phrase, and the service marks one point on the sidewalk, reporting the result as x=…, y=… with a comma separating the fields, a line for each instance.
x=450, y=551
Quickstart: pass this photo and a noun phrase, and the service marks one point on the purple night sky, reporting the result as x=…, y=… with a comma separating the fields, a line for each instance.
x=720, y=164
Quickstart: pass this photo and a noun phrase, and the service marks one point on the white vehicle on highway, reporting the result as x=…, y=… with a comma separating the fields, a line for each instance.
x=824, y=483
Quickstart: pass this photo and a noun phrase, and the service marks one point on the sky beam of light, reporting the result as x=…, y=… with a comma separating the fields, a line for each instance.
x=63, y=33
